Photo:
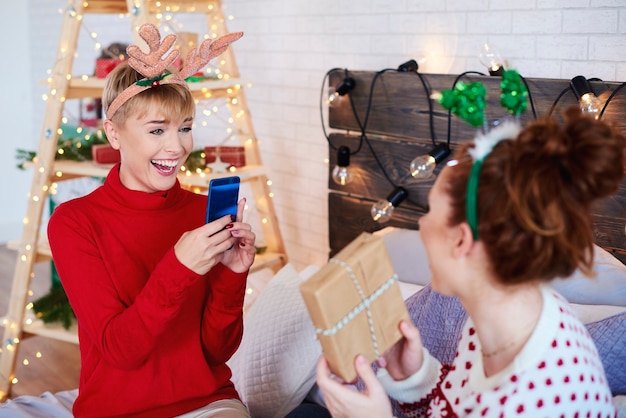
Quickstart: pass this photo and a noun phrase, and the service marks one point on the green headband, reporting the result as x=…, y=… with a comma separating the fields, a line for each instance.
x=471, y=206
x=483, y=144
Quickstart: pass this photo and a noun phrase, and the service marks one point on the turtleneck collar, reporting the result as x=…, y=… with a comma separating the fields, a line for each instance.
x=134, y=199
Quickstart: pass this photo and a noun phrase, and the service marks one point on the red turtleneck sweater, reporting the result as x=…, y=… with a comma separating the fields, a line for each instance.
x=154, y=336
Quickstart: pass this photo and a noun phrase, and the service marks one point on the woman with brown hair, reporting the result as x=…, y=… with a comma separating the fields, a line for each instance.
x=508, y=213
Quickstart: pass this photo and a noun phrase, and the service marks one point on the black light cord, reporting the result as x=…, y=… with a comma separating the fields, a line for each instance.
x=430, y=108
x=530, y=98
x=608, y=100
x=322, y=107
x=558, y=99
x=363, y=126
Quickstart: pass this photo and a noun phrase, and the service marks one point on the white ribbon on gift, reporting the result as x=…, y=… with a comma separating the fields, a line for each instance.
x=364, y=305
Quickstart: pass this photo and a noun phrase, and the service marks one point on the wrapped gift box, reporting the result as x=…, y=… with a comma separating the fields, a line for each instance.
x=104, y=154
x=234, y=155
x=105, y=65
x=355, y=304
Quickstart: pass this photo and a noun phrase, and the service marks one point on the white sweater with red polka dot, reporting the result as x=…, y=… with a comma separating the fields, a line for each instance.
x=558, y=373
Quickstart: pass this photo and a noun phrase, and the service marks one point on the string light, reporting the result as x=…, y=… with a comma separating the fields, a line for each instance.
x=53, y=93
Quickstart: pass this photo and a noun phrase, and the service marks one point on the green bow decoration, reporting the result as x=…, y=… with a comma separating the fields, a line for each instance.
x=148, y=81
x=467, y=101
x=513, y=92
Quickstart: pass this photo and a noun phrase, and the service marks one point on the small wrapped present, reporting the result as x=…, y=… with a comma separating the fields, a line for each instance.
x=104, y=154
x=105, y=65
x=235, y=155
x=355, y=304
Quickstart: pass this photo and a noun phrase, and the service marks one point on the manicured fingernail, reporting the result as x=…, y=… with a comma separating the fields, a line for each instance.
x=235, y=232
x=242, y=244
x=229, y=226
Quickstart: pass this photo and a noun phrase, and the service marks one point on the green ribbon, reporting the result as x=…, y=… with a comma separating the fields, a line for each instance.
x=195, y=78
x=467, y=101
x=513, y=92
x=148, y=81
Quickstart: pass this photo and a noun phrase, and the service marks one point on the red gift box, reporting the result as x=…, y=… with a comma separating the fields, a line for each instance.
x=104, y=154
x=105, y=65
x=235, y=155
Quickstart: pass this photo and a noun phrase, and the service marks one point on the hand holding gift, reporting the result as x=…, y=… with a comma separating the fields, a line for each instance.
x=355, y=304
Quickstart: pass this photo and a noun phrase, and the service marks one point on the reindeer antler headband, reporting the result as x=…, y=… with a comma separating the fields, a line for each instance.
x=153, y=65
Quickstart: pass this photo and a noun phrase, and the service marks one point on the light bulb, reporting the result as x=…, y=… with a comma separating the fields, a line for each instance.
x=491, y=59
x=332, y=97
x=587, y=100
x=382, y=211
x=342, y=174
x=422, y=166
x=590, y=103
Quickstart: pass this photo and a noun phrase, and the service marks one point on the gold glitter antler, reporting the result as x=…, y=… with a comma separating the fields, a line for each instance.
x=155, y=62
x=209, y=49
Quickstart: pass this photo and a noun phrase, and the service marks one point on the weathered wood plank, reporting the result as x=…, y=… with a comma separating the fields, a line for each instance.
x=398, y=128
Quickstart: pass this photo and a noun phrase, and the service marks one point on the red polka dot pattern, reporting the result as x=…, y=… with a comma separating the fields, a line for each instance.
x=562, y=375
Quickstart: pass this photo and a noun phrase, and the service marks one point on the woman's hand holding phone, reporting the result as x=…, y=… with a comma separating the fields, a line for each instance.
x=222, y=240
x=241, y=256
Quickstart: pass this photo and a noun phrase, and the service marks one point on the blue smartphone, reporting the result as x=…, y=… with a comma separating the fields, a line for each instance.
x=223, y=198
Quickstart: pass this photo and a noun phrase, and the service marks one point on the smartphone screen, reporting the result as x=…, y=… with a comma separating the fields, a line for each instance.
x=223, y=197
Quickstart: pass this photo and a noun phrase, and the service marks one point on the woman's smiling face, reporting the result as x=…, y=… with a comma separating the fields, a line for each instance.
x=152, y=149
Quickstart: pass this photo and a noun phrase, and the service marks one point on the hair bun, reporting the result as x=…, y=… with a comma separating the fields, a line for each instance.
x=596, y=155
x=584, y=154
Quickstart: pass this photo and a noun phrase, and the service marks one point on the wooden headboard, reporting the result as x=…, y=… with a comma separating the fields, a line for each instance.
x=399, y=129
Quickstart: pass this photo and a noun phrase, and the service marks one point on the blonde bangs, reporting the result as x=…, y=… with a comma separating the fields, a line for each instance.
x=173, y=100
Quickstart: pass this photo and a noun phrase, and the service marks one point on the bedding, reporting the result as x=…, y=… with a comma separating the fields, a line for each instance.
x=608, y=287
x=275, y=367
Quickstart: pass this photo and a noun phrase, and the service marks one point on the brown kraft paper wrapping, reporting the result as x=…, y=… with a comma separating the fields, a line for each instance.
x=330, y=296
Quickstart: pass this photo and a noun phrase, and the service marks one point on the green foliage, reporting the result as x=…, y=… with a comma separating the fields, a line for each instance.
x=55, y=307
x=73, y=144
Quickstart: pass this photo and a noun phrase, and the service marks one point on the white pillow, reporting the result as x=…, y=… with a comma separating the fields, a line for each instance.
x=274, y=368
x=408, y=256
x=607, y=288
x=407, y=253
x=256, y=282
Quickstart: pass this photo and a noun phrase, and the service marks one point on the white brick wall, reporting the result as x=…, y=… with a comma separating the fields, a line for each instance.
x=290, y=44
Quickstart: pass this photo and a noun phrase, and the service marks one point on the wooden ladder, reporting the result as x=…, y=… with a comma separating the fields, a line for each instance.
x=33, y=247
